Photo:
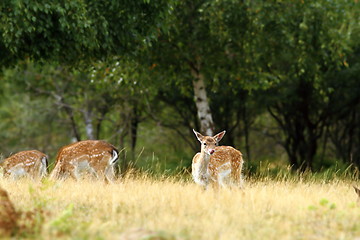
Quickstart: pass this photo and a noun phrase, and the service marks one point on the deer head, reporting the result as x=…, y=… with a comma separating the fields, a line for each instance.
x=208, y=143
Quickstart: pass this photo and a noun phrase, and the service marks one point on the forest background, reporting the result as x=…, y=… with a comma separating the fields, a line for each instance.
x=281, y=77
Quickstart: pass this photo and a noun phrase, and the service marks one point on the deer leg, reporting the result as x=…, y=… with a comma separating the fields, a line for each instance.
x=236, y=176
x=110, y=174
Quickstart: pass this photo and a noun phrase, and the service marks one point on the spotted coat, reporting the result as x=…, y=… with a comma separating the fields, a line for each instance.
x=217, y=165
x=90, y=157
x=32, y=163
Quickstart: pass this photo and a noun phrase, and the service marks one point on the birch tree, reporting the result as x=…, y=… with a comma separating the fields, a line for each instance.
x=196, y=45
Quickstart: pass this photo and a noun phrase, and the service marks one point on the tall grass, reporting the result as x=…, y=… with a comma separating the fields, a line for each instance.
x=175, y=208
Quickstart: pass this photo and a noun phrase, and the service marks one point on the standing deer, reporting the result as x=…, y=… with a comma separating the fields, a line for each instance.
x=31, y=164
x=218, y=165
x=93, y=157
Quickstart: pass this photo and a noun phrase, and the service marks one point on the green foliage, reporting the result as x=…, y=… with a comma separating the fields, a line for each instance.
x=325, y=207
x=32, y=29
x=74, y=31
x=20, y=111
x=135, y=62
x=64, y=223
x=304, y=43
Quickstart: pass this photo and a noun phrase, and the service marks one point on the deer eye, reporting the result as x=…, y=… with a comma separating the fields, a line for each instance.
x=204, y=143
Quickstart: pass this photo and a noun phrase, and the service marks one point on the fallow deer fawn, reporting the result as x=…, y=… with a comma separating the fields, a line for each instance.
x=219, y=165
x=93, y=157
x=32, y=163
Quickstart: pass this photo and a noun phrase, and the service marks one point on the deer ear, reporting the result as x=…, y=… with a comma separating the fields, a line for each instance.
x=198, y=135
x=219, y=136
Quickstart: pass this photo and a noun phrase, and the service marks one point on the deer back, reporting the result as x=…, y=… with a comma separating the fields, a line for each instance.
x=225, y=157
x=32, y=163
x=97, y=153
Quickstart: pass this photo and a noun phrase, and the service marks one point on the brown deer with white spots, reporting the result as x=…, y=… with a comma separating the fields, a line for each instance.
x=32, y=164
x=216, y=165
x=90, y=157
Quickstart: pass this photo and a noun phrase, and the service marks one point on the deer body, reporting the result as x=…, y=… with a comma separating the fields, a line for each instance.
x=30, y=163
x=90, y=157
x=218, y=165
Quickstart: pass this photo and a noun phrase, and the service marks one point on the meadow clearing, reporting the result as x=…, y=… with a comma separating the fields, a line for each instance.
x=143, y=207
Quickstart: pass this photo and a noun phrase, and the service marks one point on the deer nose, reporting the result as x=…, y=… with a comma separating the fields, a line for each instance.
x=211, y=151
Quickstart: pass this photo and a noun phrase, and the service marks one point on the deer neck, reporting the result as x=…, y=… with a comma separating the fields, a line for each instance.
x=200, y=169
x=204, y=160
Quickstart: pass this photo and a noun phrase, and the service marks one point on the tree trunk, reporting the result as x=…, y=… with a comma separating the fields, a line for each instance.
x=202, y=104
x=60, y=101
x=134, y=123
x=74, y=127
x=89, y=124
x=124, y=161
x=103, y=111
x=247, y=135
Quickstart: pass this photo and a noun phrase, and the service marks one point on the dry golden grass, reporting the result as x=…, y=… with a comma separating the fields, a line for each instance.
x=145, y=208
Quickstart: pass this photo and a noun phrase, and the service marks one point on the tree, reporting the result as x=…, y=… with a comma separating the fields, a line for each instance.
x=303, y=44
x=199, y=49
x=105, y=102
x=344, y=127
x=28, y=121
x=73, y=35
x=75, y=31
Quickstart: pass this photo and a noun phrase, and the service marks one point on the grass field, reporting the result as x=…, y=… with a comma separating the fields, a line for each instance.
x=170, y=208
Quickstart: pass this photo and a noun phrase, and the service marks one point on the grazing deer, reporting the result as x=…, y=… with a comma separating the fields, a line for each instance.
x=93, y=157
x=31, y=164
x=219, y=165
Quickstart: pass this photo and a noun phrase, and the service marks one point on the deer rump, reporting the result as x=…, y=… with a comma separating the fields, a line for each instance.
x=90, y=158
x=31, y=163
